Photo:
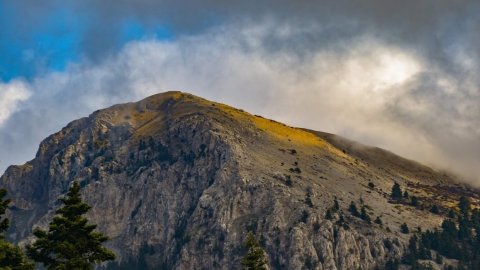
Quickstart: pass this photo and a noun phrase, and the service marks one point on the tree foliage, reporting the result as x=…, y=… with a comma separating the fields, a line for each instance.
x=70, y=243
x=255, y=258
x=364, y=215
x=435, y=210
x=353, y=209
x=404, y=228
x=328, y=215
x=11, y=257
x=464, y=204
x=3, y=207
x=456, y=239
x=414, y=201
x=392, y=265
x=396, y=192
x=336, y=205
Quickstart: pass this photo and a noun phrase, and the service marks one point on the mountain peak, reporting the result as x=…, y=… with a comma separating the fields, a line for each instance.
x=186, y=178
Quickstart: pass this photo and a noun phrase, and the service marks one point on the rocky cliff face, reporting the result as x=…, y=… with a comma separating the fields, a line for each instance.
x=176, y=181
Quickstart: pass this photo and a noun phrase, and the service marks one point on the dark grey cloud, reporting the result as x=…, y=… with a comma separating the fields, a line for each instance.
x=414, y=22
x=429, y=27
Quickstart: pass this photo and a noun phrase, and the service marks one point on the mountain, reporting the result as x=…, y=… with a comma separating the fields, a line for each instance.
x=177, y=181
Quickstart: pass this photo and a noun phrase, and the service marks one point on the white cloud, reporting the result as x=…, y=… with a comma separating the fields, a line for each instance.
x=11, y=94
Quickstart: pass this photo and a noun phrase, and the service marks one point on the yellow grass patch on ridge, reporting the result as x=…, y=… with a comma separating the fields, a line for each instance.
x=284, y=132
x=275, y=129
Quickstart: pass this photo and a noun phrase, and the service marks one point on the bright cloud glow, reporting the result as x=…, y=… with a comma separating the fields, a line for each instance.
x=11, y=94
x=396, y=68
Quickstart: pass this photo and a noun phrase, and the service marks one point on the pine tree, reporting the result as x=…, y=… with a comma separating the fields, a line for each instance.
x=449, y=228
x=308, y=201
x=336, y=205
x=475, y=218
x=412, y=250
x=477, y=238
x=396, y=192
x=364, y=215
x=439, y=259
x=414, y=201
x=340, y=221
x=3, y=207
x=255, y=258
x=404, y=228
x=11, y=257
x=392, y=264
x=464, y=204
x=423, y=252
x=464, y=231
x=451, y=213
x=353, y=209
x=328, y=215
x=70, y=242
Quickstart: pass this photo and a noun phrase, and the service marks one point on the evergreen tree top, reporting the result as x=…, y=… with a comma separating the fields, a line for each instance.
x=11, y=257
x=73, y=204
x=70, y=242
x=255, y=258
x=353, y=209
x=396, y=191
x=464, y=204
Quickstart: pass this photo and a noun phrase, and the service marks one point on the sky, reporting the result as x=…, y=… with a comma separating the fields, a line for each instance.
x=401, y=75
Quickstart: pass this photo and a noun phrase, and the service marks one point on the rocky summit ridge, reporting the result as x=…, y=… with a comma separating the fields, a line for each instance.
x=177, y=181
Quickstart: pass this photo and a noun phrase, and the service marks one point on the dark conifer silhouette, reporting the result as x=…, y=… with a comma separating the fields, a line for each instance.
x=464, y=204
x=353, y=209
x=11, y=257
x=255, y=258
x=404, y=228
x=396, y=192
x=70, y=243
x=364, y=215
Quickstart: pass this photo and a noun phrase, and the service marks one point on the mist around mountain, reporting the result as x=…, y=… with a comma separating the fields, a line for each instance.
x=178, y=182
